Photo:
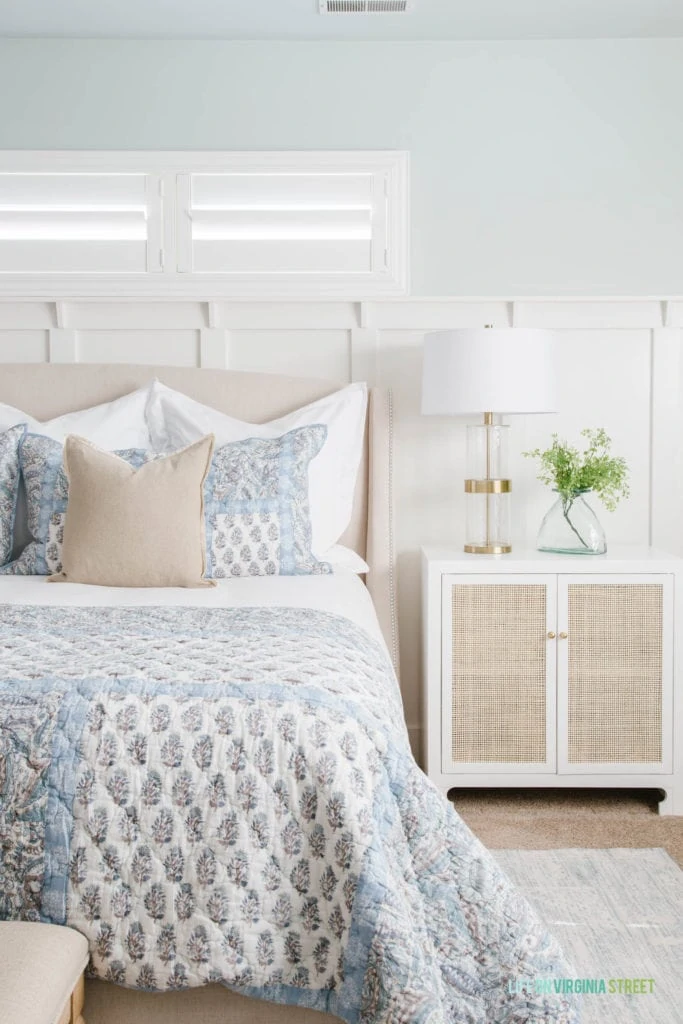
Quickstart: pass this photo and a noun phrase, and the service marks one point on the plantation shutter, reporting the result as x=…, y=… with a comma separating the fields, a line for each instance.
x=238, y=225
x=282, y=223
x=80, y=223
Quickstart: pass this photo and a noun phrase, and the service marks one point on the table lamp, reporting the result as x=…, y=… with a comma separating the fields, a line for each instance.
x=488, y=371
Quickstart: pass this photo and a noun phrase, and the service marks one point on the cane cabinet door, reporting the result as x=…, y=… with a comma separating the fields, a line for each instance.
x=499, y=673
x=615, y=673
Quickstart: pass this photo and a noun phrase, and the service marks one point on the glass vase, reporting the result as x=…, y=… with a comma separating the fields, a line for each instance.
x=571, y=527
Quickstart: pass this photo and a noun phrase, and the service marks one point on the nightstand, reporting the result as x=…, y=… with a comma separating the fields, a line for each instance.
x=553, y=670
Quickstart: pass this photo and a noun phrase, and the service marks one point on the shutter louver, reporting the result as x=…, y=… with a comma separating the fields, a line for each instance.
x=74, y=223
x=280, y=223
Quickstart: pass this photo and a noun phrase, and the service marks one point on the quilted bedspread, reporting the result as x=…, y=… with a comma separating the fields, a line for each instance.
x=229, y=795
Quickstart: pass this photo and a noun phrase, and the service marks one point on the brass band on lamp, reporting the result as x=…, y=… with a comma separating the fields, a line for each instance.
x=487, y=549
x=488, y=486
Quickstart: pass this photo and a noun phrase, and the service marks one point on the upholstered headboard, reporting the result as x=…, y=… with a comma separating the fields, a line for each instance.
x=46, y=390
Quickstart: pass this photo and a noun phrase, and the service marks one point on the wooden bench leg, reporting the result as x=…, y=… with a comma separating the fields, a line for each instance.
x=77, y=1001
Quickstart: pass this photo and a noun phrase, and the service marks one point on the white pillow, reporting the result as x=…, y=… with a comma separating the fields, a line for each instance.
x=113, y=425
x=345, y=560
x=175, y=420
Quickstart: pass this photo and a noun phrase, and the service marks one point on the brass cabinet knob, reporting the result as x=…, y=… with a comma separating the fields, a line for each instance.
x=551, y=635
x=563, y=636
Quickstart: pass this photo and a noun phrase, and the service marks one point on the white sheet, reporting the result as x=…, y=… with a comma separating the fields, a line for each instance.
x=342, y=593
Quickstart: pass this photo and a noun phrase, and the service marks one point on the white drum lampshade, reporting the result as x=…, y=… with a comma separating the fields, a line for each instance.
x=488, y=371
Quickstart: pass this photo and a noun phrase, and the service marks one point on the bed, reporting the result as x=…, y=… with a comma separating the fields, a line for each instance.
x=327, y=875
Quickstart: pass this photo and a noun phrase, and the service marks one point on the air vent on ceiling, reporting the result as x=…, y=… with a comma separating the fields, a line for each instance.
x=365, y=6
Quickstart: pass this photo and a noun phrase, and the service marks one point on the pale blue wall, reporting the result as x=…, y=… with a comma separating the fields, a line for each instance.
x=537, y=168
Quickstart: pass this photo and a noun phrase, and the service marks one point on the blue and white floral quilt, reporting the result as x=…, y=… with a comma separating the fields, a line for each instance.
x=229, y=795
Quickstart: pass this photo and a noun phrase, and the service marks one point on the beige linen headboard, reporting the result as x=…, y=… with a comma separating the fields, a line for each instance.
x=45, y=390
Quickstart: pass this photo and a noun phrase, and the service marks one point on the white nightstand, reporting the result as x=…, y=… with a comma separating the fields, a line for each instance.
x=554, y=670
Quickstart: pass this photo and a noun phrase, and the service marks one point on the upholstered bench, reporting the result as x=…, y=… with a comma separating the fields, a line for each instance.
x=41, y=974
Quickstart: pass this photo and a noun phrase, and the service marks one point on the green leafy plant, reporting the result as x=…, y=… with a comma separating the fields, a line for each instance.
x=571, y=472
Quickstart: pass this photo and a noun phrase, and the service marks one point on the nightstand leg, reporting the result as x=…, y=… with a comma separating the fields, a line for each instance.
x=672, y=804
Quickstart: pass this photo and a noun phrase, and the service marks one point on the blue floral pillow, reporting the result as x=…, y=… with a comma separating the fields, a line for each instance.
x=47, y=497
x=9, y=487
x=255, y=505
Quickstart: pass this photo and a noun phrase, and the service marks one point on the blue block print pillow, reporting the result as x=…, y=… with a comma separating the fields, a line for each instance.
x=47, y=497
x=258, y=520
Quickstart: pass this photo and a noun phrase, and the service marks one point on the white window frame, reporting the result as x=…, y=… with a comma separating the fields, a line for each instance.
x=389, y=276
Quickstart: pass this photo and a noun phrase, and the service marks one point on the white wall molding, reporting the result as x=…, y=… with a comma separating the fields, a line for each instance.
x=61, y=313
x=159, y=312
x=674, y=313
x=588, y=313
x=365, y=313
x=212, y=313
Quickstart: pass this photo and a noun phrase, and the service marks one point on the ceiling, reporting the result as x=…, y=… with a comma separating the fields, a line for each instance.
x=299, y=19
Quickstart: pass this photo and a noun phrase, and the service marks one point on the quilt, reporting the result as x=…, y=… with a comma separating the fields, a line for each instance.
x=228, y=795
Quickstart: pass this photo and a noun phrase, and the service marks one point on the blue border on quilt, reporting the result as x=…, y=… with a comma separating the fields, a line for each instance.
x=58, y=827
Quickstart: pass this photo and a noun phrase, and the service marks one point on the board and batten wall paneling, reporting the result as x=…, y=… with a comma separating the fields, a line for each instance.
x=621, y=368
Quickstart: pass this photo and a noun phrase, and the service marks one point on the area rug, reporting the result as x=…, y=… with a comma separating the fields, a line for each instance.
x=619, y=917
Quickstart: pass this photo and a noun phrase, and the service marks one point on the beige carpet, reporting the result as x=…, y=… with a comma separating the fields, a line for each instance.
x=506, y=819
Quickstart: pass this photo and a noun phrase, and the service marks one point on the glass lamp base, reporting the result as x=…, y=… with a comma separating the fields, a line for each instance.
x=487, y=490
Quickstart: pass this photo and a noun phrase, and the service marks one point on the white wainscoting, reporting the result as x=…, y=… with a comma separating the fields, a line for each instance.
x=622, y=368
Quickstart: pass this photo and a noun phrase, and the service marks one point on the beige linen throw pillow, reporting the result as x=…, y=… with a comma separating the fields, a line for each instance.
x=128, y=527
